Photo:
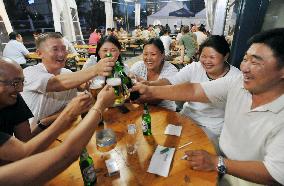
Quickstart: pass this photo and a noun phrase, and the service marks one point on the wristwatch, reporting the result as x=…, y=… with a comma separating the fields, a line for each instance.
x=221, y=167
x=41, y=126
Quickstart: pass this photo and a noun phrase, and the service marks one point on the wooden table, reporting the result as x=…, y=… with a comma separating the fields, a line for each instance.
x=35, y=56
x=133, y=168
x=85, y=46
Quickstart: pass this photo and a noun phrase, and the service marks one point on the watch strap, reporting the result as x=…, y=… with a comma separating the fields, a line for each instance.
x=221, y=167
x=41, y=126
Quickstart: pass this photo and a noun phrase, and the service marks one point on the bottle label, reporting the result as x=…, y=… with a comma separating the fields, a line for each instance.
x=89, y=173
x=144, y=126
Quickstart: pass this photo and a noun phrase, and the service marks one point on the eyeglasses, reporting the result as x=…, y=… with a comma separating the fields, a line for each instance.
x=16, y=83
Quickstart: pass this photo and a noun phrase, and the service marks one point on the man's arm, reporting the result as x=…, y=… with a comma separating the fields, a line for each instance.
x=253, y=171
x=45, y=121
x=14, y=149
x=22, y=131
x=60, y=157
x=180, y=92
x=73, y=80
x=159, y=82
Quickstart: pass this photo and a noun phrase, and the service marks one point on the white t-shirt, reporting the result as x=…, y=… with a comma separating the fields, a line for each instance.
x=16, y=50
x=40, y=102
x=249, y=134
x=204, y=114
x=167, y=40
x=140, y=69
x=200, y=37
x=179, y=35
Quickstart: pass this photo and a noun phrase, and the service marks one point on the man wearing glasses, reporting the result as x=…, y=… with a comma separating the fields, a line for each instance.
x=14, y=113
x=13, y=120
x=16, y=139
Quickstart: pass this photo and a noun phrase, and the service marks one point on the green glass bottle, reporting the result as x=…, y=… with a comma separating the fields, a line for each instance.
x=146, y=121
x=126, y=80
x=118, y=70
x=87, y=169
x=112, y=73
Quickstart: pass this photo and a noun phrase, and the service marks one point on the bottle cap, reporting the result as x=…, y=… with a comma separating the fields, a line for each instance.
x=108, y=55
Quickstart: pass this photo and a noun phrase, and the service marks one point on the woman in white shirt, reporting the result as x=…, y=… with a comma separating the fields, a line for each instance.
x=153, y=66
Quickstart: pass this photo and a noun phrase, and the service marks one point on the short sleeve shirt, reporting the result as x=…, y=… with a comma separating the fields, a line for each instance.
x=15, y=50
x=13, y=115
x=189, y=43
x=41, y=102
x=249, y=134
x=205, y=114
x=167, y=41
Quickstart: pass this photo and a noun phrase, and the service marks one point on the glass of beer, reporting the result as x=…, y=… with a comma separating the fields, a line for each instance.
x=95, y=87
x=118, y=90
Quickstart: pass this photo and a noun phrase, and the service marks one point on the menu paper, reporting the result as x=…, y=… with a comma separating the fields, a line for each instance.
x=173, y=130
x=160, y=162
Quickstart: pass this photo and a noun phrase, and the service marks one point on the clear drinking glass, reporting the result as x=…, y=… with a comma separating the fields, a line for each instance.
x=131, y=144
x=95, y=87
x=105, y=140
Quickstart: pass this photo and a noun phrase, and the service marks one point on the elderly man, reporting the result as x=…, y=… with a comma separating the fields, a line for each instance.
x=15, y=49
x=252, y=139
x=14, y=115
x=11, y=149
x=49, y=86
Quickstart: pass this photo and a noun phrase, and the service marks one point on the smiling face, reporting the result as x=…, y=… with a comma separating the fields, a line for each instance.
x=261, y=70
x=212, y=61
x=8, y=93
x=109, y=47
x=53, y=53
x=152, y=57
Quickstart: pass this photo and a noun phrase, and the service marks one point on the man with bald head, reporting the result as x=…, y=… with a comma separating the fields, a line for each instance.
x=14, y=113
x=16, y=139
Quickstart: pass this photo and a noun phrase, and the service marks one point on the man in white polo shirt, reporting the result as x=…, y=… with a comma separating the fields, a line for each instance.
x=49, y=86
x=252, y=139
x=15, y=49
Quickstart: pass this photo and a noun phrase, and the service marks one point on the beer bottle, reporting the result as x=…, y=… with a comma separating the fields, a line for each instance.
x=87, y=169
x=146, y=121
x=112, y=72
x=126, y=80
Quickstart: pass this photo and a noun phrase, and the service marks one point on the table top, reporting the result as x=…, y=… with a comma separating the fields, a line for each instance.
x=34, y=55
x=85, y=46
x=133, y=168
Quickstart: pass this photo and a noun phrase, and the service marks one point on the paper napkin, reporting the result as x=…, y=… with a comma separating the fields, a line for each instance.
x=161, y=161
x=173, y=130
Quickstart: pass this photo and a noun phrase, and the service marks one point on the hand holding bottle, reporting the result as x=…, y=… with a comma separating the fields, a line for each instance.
x=144, y=91
x=104, y=66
